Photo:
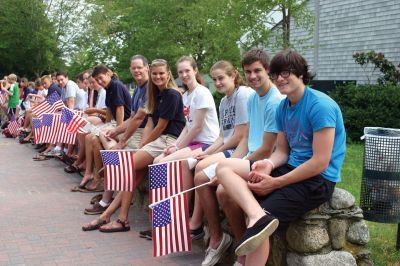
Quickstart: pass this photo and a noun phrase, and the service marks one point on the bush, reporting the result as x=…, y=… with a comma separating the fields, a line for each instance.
x=368, y=106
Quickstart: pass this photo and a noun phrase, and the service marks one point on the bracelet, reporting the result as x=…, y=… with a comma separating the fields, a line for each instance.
x=271, y=162
x=176, y=147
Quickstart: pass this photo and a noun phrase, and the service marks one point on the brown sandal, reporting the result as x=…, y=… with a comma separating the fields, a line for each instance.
x=91, y=227
x=124, y=227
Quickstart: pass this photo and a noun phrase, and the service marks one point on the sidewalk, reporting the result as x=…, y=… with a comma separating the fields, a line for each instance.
x=41, y=219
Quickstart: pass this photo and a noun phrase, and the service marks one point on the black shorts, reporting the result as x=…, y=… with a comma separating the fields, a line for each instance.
x=291, y=202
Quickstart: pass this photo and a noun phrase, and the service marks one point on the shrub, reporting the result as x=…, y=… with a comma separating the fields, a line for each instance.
x=368, y=106
x=391, y=74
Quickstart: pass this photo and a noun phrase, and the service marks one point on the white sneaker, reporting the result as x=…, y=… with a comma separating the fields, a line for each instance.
x=214, y=255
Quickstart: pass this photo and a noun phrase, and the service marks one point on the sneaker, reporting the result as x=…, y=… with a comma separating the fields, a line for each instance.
x=148, y=234
x=196, y=234
x=95, y=209
x=256, y=235
x=214, y=255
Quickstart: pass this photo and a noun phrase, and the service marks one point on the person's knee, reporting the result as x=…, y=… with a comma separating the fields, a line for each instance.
x=88, y=138
x=223, y=198
x=223, y=169
x=158, y=159
x=200, y=178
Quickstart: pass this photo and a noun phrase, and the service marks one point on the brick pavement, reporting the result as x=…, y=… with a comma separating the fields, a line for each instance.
x=41, y=219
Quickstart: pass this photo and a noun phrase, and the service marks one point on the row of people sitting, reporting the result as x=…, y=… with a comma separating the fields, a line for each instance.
x=274, y=153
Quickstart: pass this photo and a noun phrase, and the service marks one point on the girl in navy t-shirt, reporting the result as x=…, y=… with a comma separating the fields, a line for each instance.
x=164, y=124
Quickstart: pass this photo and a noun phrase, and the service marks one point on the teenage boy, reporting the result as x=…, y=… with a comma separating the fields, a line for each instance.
x=69, y=89
x=129, y=133
x=261, y=107
x=301, y=173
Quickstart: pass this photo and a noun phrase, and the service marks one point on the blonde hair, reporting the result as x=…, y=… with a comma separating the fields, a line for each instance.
x=152, y=89
x=12, y=77
x=230, y=70
x=48, y=77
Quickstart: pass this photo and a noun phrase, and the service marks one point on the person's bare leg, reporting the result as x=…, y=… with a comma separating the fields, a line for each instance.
x=96, y=147
x=142, y=159
x=234, y=215
x=232, y=175
x=89, y=159
x=259, y=257
x=81, y=151
x=197, y=217
x=208, y=198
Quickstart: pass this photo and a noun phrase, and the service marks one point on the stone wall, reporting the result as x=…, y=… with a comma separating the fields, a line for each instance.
x=333, y=234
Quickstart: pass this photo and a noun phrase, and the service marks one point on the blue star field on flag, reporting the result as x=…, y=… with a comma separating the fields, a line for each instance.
x=53, y=98
x=110, y=158
x=159, y=176
x=36, y=123
x=66, y=116
x=47, y=120
x=162, y=214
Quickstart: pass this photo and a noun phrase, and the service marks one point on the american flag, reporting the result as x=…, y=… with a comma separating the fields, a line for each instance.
x=47, y=131
x=74, y=120
x=36, y=125
x=13, y=126
x=3, y=97
x=119, y=171
x=170, y=218
x=60, y=124
x=50, y=105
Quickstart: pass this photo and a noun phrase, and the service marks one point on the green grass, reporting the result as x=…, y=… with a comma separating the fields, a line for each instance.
x=383, y=236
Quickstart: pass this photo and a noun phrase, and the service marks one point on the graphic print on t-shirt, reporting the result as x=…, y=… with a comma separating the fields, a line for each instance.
x=228, y=118
x=186, y=113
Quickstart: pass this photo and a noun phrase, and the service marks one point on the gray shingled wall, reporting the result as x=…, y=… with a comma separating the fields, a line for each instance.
x=349, y=26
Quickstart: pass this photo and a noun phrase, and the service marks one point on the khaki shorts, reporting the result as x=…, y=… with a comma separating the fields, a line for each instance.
x=95, y=130
x=157, y=146
x=134, y=141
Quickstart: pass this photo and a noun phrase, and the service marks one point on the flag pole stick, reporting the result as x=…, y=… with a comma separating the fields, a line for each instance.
x=180, y=193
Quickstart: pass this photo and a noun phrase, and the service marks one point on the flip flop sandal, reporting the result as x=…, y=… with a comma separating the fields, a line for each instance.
x=41, y=158
x=78, y=188
x=91, y=227
x=71, y=169
x=90, y=190
x=124, y=227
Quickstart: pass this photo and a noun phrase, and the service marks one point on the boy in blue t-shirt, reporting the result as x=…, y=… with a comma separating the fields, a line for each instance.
x=301, y=173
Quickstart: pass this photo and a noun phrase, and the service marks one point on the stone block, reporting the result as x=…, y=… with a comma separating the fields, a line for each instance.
x=337, y=232
x=332, y=258
x=358, y=233
x=307, y=238
x=342, y=199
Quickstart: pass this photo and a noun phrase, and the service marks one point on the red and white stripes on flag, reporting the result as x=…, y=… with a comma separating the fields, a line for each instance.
x=77, y=124
x=36, y=126
x=13, y=126
x=3, y=97
x=50, y=105
x=62, y=135
x=170, y=218
x=47, y=131
x=119, y=171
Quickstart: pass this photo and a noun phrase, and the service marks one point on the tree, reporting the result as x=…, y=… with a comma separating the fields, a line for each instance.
x=28, y=46
x=209, y=30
